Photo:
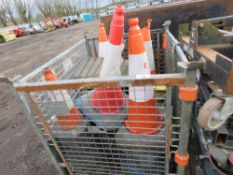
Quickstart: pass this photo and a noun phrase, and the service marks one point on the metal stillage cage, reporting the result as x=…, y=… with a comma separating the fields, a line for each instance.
x=99, y=140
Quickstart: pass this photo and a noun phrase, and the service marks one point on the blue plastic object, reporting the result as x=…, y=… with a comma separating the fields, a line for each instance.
x=104, y=122
x=88, y=17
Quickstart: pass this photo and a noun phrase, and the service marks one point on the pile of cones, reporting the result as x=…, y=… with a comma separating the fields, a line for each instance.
x=142, y=115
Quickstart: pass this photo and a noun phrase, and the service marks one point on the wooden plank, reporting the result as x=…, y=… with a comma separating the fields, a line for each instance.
x=95, y=67
x=99, y=69
x=87, y=67
x=208, y=53
x=79, y=69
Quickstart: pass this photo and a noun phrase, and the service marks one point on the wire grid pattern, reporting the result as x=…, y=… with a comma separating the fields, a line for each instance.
x=156, y=38
x=62, y=65
x=171, y=67
x=100, y=143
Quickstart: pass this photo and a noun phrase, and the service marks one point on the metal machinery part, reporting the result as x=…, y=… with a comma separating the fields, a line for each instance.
x=210, y=42
x=209, y=114
x=179, y=12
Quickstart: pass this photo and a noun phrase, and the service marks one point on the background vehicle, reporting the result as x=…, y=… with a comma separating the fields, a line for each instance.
x=143, y=3
x=111, y=9
x=18, y=32
x=156, y=2
x=131, y=5
x=103, y=12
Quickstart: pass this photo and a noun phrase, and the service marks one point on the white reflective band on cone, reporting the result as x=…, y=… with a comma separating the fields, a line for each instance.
x=139, y=63
x=150, y=54
x=103, y=49
x=112, y=61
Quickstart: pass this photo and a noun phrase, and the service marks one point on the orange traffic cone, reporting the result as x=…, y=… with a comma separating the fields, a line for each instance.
x=103, y=41
x=148, y=45
x=70, y=121
x=110, y=100
x=143, y=117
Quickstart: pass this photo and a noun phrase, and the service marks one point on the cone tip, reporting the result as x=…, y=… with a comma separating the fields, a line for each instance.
x=133, y=22
x=119, y=9
x=149, y=20
x=101, y=24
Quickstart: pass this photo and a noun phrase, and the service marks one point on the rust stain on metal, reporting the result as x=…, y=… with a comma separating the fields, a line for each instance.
x=54, y=86
x=47, y=131
x=166, y=82
x=229, y=86
x=66, y=86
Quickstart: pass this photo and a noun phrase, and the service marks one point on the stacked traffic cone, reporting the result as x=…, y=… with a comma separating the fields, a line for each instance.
x=143, y=117
x=104, y=106
x=103, y=41
x=113, y=60
x=143, y=132
x=148, y=45
x=110, y=100
x=67, y=122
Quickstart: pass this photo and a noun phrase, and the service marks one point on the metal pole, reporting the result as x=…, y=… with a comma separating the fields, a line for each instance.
x=186, y=122
x=168, y=127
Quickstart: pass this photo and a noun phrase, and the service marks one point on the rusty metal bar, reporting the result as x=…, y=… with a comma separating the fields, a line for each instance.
x=186, y=117
x=47, y=130
x=159, y=79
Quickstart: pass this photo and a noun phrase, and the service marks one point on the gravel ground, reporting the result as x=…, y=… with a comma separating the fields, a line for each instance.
x=20, y=149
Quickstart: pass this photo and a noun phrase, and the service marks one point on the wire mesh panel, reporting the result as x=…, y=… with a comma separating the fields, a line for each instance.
x=106, y=126
x=97, y=142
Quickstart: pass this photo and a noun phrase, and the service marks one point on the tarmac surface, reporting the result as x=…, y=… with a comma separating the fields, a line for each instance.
x=21, y=152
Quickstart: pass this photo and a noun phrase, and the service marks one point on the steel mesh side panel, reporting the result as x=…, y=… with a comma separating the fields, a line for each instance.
x=101, y=143
x=95, y=142
x=156, y=37
x=171, y=67
x=63, y=65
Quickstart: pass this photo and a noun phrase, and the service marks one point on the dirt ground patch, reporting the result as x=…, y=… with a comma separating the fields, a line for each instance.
x=20, y=149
